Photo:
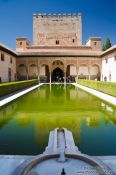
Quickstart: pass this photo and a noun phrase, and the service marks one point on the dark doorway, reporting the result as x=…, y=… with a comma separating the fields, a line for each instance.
x=57, y=75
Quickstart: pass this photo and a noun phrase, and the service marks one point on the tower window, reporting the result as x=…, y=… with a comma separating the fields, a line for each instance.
x=57, y=42
x=73, y=40
x=21, y=43
x=95, y=43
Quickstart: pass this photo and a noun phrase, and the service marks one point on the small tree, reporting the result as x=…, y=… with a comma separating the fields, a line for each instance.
x=103, y=47
x=107, y=45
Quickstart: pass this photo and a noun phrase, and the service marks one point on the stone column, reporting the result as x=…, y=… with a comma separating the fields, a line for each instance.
x=65, y=80
x=38, y=74
x=27, y=75
x=50, y=81
x=50, y=70
x=77, y=69
x=38, y=69
x=89, y=73
x=64, y=77
x=27, y=69
x=100, y=70
x=50, y=76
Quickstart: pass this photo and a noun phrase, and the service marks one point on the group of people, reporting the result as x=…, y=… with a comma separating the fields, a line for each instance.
x=69, y=79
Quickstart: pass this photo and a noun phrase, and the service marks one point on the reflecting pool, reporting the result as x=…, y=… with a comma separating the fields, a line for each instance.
x=25, y=123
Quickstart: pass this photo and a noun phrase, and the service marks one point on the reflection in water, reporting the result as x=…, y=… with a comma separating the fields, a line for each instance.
x=28, y=121
x=23, y=120
x=93, y=121
x=6, y=114
x=57, y=90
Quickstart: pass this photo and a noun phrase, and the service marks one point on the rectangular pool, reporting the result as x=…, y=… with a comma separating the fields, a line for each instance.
x=25, y=123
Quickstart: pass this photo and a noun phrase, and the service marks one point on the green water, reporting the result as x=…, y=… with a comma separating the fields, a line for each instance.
x=25, y=123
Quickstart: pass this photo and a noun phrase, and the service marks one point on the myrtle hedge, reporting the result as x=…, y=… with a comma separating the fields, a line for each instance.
x=105, y=87
x=7, y=88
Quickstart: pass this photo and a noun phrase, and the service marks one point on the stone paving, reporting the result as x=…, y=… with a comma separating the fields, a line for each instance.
x=8, y=164
x=8, y=99
x=108, y=98
x=60, y=156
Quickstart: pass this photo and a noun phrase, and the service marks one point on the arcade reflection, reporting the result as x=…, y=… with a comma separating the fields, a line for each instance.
x=26, y=123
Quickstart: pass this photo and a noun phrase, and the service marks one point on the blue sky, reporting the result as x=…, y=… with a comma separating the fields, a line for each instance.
x=98, y=16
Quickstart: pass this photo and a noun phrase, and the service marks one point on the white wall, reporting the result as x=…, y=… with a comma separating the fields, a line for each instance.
x=109, y=68
x=5, y=65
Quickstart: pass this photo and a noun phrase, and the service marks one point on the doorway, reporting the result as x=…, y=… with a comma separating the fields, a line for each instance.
x=57, y=75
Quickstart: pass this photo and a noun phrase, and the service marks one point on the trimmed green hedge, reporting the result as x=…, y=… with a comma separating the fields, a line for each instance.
x=7, y=88
x=106, y=87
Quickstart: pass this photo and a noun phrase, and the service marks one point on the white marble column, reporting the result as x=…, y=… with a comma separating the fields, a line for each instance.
x=27, y=69
x=65, y=77
x=89, y=73
x=38, y=74
x=77, y=69
x=50, y=78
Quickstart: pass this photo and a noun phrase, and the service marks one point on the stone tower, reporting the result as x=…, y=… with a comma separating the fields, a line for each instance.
x=57, y=30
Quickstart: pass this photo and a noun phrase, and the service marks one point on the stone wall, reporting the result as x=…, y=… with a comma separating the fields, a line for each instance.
x=62, y=30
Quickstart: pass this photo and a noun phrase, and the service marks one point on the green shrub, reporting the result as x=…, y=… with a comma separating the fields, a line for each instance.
x=7, y=88
x=106, y=87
